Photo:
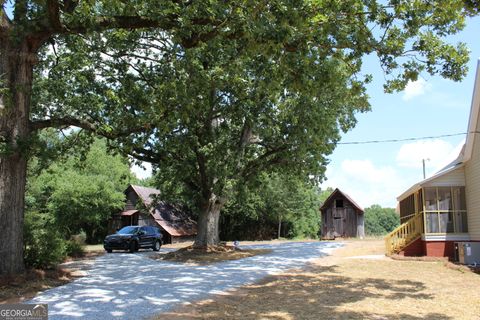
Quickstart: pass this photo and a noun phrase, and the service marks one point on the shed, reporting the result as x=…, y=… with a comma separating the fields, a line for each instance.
x=341, y=217
x=142, y=207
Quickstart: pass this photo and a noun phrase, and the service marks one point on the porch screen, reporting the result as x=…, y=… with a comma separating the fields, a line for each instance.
x=445, y=210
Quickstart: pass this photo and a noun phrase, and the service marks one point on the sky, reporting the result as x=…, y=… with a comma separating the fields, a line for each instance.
x=432, y=106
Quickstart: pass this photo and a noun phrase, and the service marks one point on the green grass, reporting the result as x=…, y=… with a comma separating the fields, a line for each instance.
x=93, y=247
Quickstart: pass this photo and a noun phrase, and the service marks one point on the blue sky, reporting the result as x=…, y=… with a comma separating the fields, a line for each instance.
x=378, y=173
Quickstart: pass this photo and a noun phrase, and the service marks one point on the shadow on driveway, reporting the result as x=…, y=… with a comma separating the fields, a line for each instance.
x=133, y=286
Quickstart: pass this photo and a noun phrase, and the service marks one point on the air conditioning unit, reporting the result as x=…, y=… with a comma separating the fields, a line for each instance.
x=468, y=252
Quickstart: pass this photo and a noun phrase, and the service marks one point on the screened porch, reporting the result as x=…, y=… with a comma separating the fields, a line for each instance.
x=443, y=209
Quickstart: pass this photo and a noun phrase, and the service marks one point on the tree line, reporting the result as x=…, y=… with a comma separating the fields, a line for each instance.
x=71, y=197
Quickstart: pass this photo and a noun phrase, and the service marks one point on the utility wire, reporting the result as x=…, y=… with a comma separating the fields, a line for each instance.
x=406, y=139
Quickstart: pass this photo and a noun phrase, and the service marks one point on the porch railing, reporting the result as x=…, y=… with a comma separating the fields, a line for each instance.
x=405, y=234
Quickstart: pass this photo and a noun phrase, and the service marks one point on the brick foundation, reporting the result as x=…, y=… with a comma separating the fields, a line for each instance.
x=420, y=248
x=440, y=249
x=415, y=249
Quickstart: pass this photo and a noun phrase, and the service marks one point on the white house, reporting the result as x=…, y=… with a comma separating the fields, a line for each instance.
x=444, y=209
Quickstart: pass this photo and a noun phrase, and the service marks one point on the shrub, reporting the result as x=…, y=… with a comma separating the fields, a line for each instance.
x=44, y=246
x=74, y=248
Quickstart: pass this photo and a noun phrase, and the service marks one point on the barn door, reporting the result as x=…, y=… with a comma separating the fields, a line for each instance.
x=339, y=221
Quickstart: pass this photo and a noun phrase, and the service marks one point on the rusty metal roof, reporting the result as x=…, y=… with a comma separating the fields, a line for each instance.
x=174, y=220
x=169, y=216
x=146, y=194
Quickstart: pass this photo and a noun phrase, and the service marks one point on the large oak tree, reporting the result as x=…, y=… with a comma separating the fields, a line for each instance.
x=209, y=91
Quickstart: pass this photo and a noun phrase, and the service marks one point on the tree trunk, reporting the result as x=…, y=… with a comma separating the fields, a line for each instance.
x=16, y=66
x=279, y=226
x=208, y=221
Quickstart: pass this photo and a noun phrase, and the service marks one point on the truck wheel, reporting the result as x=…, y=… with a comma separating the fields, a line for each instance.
x=156, y=245
x=133, y=247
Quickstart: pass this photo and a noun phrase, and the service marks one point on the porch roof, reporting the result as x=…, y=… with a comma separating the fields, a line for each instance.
x=422, y=183
x=128, y=212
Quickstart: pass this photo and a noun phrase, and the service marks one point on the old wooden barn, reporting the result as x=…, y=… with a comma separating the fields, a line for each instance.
x=143, y=209
x=341, y=217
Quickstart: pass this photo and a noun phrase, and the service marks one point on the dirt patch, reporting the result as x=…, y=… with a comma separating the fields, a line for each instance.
x=25, y=286
x=204, y=256
x=336, y=287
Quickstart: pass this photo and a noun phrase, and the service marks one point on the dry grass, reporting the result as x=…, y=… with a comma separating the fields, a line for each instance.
x=208, y=255
x=341, y=287
x=18, y=288
x=25, y=286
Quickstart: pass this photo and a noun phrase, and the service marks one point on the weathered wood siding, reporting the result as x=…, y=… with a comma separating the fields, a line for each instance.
x=131, y=200
x=472, y=189
x=146, y=219
x=360, y=225
x=342, y=221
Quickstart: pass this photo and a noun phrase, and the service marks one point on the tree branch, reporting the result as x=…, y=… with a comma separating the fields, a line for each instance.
x=5, y=22
x=53, y=14
x=146, y=155
x=61, y=122
x=68, y=6
x=263, y=161
x=86, y=125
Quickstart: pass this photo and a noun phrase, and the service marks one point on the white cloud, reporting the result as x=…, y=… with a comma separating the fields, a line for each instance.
x=415, y=88
x=438, y=152
x=143, y=171
x=367, y=183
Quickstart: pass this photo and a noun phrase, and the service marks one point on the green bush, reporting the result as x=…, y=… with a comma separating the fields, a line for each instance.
x=74, y=248
x=80, y=238
x=380, y=221
x=44, y=246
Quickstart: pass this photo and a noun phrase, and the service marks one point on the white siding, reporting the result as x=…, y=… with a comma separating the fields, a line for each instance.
x=451, y=179
x=472, y=177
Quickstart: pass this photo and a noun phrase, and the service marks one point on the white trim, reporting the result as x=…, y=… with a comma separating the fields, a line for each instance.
x=420, y=184
x=446, y=237
x=473, y=119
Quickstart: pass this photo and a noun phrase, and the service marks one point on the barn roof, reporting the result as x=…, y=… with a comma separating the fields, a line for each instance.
x=146, y=194
x=170, y=217
x=174, y=220
x=128, y=212
x=334, y=195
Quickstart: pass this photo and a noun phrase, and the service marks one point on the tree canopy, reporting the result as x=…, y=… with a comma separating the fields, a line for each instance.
x=380, y=221
x=276, y=206
x=208, y=91
x=80, y=194
x=272, y=94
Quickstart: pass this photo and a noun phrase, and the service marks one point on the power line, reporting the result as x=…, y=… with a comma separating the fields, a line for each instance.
x=406, y=139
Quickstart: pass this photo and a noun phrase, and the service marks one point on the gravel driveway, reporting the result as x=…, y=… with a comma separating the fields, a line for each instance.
x=133, y=286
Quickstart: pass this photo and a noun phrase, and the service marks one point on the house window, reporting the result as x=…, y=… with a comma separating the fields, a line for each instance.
x=445, y=210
